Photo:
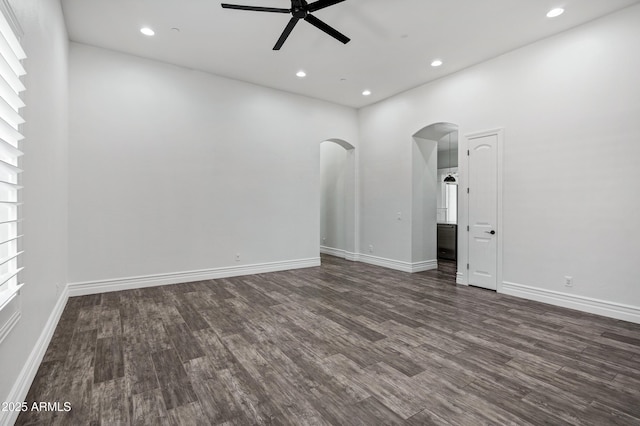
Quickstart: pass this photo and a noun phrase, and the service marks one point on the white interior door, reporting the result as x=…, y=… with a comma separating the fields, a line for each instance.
x=483, y=211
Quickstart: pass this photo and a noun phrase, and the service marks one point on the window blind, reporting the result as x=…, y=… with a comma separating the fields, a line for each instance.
x=11, y=87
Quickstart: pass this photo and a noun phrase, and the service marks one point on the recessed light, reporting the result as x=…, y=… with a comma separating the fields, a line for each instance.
x=366, y=93
x=301, y=74
x=555, y=12
x=147, y=31
x=436, y=63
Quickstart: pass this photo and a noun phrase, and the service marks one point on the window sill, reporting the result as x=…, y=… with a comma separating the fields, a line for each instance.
x=6, y=296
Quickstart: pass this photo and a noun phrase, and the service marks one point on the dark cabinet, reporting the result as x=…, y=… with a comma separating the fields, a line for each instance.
x=447, y=241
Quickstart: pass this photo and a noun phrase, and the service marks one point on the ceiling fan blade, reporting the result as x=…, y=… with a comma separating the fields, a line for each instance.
x=321, y=4
x=287, y=30
x=255, y=8
x=327, y=29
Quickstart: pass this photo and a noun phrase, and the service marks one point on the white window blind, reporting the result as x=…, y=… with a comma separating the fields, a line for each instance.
x=11, y=69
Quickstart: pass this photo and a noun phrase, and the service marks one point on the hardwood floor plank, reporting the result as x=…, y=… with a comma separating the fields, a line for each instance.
x=440, y=365
x=306, y=398
x=427, y=418
x=60, y=341
x=146, y=336
x=176, y=395
x=346, y=372
x=140, y=376
x=191, y=317
x=564, y=407
x=215, y=402
x=311, y=367
x=487, y=412
x=243, y=290
x=165, y=312
x=109, y=363
x=172, y=378
x=217, y=353
x=392, y=389
x=82, y=351
x=200, y=369
x=109, y=403
x=502, y=381
x=149, y=409
x=109, y=324
x=351, y=325
x=504, y=397
x=184, y=341
x=615, y=395
x=392, y=355
x=77, y=391
x=188, y=414
x=370, y=411
x=45, y=387
x=247, y=355
x=609, y=416
x=250, y=398
x=88, y=318
x=224, y=319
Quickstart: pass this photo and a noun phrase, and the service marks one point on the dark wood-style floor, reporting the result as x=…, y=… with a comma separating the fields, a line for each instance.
x=342, y=344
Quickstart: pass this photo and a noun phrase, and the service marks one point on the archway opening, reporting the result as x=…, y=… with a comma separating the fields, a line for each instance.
x=337, y=199
x=435, y=198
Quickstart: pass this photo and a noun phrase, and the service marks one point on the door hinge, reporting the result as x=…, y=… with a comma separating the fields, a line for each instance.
x=467, y=190
x=467, y=153
x=467, y=266
x=467, y=228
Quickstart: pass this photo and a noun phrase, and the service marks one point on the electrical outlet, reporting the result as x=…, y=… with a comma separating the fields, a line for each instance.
x=568, y=281
x=237, y=257
x=399, y=215
x=370, y=248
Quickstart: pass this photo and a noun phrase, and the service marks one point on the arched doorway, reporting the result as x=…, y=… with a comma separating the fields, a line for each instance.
x=338, y=231
x=434, y=198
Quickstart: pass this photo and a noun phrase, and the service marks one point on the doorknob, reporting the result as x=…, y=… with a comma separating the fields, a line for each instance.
x=492, y=232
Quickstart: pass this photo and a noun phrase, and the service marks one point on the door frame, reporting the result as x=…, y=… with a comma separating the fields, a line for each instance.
x=468, y=137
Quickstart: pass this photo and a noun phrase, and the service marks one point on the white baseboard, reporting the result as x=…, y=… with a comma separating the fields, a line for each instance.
x=572, y=301
x=398, y=265
x=28, y=373
x=333, y=252
x=425, y=265
x=129, y=283
x=351, y=256
x=460, y=279
x=343, y=254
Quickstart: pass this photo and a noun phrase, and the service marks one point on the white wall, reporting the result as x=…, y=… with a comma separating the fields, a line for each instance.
x=176, y=170
x=45, y=185
x=448, y=151
x=570, y=106
x=333, y=170
x=424, y=201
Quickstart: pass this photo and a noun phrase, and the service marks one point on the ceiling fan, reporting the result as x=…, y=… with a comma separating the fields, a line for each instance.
x=300, y=9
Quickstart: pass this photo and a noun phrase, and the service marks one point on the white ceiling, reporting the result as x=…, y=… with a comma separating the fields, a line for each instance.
x=392, y=41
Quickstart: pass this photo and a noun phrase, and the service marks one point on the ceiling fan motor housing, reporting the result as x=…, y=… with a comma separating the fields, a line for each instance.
x=299, y=9
x=299, y=13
